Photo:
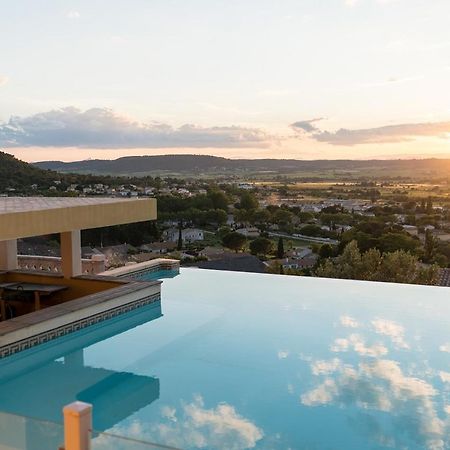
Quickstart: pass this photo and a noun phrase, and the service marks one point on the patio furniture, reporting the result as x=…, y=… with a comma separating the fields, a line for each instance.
x=34, y=290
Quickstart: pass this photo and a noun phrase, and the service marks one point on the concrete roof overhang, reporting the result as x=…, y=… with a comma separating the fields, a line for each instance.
x=35, y=216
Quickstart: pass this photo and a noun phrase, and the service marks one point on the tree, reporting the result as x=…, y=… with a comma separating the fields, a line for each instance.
x=261, y=246
x=234, y=241
x=218, y=199
x=429, y=207
x=391, y=242
x=326, y=251
x=248, y=201
x=261, y=217
x=280, y=248
x=180, y=237
x=430, y=246
x=222, y=231
x=282, y=217
x=396, y=267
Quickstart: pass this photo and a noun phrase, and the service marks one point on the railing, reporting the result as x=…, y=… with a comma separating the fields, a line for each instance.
x=78, y=433
x=75, y=433
x=52, y=264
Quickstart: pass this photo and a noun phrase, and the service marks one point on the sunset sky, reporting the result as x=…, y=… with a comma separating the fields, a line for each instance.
x=305, y=79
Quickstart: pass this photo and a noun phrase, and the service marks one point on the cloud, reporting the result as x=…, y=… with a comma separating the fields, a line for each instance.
x=445, y=376
x=348, y=322
x=323, y=366
x=381, y=385
x=356, y=343
x=195, y=426
x=103, y=128
x=73, y=15
x=379, y=135
x=3, y=80
x=392, y=329
x=283, y=354
x=307, y=125
x=445, y=347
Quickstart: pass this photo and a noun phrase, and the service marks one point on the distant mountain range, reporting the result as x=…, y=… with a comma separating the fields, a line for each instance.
x=145, y=165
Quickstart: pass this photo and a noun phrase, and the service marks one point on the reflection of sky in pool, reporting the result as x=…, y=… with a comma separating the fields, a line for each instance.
x=259, y=361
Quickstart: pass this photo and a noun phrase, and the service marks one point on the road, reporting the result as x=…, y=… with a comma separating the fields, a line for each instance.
x=317, y=240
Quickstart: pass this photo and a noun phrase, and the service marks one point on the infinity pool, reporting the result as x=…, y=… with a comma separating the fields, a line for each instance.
x=236, y=361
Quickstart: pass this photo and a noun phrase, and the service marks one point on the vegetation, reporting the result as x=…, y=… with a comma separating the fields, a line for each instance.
x=398, y=266
x=261, y=246
x=234, y=241
x=399, y=226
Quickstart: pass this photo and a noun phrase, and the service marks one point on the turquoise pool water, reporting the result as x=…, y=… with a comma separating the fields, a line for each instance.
x=236, y=361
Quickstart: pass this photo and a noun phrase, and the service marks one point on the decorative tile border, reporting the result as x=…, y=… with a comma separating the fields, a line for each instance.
x=77, y=325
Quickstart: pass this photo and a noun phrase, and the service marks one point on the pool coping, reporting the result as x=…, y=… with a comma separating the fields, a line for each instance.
x=141, y=269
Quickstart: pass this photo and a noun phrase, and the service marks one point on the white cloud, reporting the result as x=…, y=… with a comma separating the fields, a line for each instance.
x=348, y=322
x=392, y=329
x=323, y=394
x=73, y=15
x=323, y=366
x=381, y=385
x=195, y=426
x=445, y=347
x=283, y=354
x=356, y=343
x=3, y=80
x=103, y=128
x=445, y=376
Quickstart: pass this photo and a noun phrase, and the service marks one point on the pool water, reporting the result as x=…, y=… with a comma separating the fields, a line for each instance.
x=236, y=360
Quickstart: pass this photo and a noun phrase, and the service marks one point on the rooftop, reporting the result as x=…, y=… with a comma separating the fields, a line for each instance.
x=34, y=216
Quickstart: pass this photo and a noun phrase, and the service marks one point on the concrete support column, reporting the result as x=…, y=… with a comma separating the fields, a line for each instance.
x=8, y=255
x=71, y=253
x=75, y=359
x=77, y=426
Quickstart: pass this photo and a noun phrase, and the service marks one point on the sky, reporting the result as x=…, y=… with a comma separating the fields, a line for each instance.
x=303, y=79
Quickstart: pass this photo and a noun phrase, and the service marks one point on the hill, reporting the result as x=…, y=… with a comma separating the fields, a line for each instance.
x=15, y=174
x=199, y=164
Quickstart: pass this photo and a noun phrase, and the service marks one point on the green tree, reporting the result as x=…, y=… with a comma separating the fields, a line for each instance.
x=248, y=201
x=180, y=237
x=222, y=231
x=234, y=241
x=261, y=246
x=280, y=248
x=397, y=267
x=326, y=251
x=218, y=199
x=282, y=217
x=430, y=246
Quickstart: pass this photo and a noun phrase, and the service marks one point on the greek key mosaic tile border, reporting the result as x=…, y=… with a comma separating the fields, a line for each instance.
x=72, y=327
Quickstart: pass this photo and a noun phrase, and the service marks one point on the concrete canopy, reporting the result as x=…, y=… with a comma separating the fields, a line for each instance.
x=35, y=216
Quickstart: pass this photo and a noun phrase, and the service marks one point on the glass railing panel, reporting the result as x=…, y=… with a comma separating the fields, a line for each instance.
x=27, y=433
x=107, y=441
